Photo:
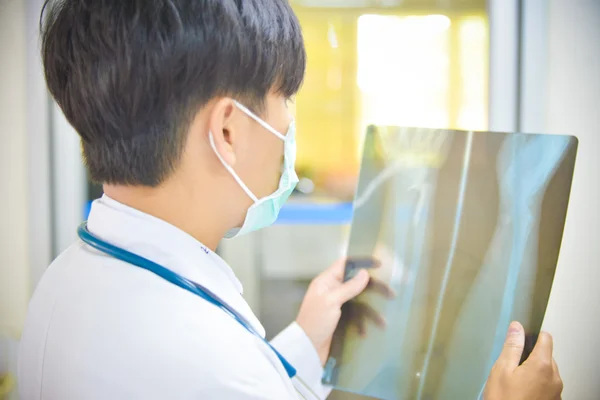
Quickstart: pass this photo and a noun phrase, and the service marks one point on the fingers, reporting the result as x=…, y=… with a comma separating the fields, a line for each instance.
x=361, y=327
x=363, y=262
x=359, y=313
x=337, y=269
x=557, y=378
x=543, y=349
x=513, y=346
x=352, y=288
x=544, y=367
x=356, y=320
x=555, y=369
x=381, y=288
x=352, y=265
x=366, y=311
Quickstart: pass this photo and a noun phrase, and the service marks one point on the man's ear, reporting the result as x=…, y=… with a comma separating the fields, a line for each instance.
x=220, y=126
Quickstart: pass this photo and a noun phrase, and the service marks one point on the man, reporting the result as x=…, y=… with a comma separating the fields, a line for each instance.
x=181, y=106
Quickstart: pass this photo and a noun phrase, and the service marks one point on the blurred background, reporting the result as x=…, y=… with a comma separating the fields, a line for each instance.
x=504, y=65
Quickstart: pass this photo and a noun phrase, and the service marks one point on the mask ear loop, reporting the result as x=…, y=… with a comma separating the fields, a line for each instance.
x=231, y=171
x=260, y=121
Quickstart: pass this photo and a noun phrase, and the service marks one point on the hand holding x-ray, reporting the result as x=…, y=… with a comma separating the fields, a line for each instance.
x=466, y=228
x=329, y=292
x=356, y=313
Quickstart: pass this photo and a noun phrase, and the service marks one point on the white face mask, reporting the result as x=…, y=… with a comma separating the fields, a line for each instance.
x=264, y=211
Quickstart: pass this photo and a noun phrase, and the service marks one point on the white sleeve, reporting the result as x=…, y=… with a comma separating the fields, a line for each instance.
x=296, y=347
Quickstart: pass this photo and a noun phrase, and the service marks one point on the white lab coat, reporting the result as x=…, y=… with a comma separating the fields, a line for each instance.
x=99, y=328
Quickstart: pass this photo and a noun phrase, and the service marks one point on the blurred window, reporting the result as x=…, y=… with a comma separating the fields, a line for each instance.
x=408, y=63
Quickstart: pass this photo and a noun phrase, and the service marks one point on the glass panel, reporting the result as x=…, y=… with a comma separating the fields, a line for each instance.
x=467, y=228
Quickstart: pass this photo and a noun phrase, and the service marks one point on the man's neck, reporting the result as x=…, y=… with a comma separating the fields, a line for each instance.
x=199, y=221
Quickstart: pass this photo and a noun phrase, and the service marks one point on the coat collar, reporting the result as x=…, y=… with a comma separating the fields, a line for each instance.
x=172, y=248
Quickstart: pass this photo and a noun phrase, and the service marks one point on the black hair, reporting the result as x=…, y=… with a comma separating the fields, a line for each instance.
x=130, y=75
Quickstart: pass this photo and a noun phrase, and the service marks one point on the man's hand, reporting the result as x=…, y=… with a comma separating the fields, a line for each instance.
x=320, y=311
x=536, y=379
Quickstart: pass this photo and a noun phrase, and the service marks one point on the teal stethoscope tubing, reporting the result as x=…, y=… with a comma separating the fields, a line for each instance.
x=120, y=254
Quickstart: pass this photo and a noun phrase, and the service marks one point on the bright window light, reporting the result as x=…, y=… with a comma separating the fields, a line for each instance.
x=403, y=65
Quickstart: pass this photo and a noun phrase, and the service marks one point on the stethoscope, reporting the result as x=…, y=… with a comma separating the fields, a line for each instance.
x=121, y=254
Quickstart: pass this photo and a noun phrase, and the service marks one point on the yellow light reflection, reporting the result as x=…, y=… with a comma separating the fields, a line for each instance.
x=403, y=67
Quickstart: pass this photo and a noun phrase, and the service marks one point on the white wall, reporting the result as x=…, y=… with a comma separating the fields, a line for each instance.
x=14, y=271
x=14, y=256
x=25, y=191
x=573, y=107
x=38, y=137
x=504, y=65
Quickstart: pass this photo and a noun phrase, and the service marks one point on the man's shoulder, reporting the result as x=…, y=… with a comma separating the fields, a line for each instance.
x=92, y=317
x=90, y=294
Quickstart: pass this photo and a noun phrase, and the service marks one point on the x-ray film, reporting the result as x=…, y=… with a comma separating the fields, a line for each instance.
x=466, y=228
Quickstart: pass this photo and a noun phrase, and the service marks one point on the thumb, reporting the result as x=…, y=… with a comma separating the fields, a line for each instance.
x=352, y=288
x=513, y=346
